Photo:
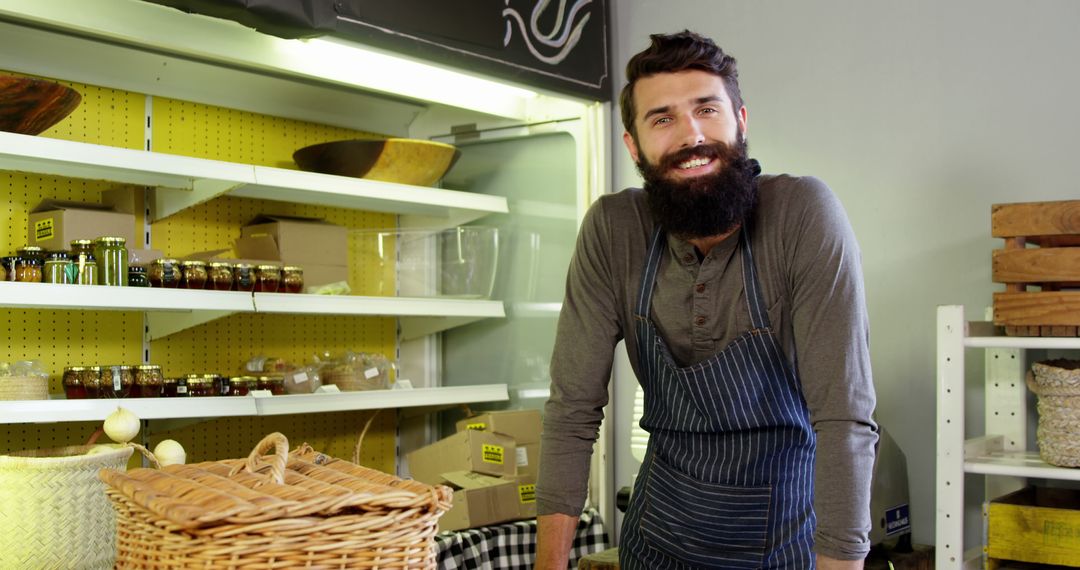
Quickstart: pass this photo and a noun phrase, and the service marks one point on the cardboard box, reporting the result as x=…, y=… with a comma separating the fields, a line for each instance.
x=480, y=500
x=301, y=241
x=483, y=452
x=522, y=425
x=528, y=459
x=526, y=494
x=53, y=224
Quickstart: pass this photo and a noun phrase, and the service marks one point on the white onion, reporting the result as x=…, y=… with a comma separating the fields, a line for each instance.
x=122, y=426
x=170, y=452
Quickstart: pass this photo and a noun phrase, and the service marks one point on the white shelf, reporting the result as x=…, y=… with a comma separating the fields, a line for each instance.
x=172, y=310
x=987, y=456
x=181, y=182
x=100, y=297
x=49, y=411
x=379, y=399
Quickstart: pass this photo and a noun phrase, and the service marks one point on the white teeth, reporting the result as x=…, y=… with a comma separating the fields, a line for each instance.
x=694, y=163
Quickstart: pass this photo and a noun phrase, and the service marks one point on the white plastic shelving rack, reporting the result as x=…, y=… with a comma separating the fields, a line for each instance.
x=1002, y=452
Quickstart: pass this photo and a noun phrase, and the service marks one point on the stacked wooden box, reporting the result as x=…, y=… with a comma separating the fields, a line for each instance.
x=1053, y=267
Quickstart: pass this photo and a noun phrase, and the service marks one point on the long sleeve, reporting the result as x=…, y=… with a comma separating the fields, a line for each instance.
x=580, y=370
x=831, y=336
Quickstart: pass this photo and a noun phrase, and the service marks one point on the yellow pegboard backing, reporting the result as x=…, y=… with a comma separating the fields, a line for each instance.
x=19, y=437
x=332, y=433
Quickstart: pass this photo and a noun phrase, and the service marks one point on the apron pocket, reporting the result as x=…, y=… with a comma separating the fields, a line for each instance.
x=705, y=525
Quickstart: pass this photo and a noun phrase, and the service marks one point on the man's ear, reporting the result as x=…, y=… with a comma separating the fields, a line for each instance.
x=631, y=145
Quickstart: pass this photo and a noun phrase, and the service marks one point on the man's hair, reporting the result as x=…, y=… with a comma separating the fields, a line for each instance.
x=671, y=53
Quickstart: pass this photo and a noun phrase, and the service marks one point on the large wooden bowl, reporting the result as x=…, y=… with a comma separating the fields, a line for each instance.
x=28, y=106
x=405, y=161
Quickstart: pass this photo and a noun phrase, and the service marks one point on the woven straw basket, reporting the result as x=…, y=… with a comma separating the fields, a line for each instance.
x=286, y=510
x=24, y=388
x=1057, y=383
x=53, y=509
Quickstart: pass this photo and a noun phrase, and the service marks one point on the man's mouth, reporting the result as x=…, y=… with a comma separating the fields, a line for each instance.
x=693, y=163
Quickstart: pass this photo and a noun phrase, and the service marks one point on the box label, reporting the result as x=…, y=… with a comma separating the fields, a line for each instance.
x=493, y=454
x=44, y=229
x=897, y=520
x=477, y=426
x=527, y=493
x=522, y=457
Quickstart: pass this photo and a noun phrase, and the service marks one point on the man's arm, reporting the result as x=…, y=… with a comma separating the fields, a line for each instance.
x=581, y=363
x=554, y=537
x=831, y=332
x=826, y=563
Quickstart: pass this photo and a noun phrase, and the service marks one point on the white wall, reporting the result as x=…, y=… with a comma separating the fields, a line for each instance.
x=920, y=115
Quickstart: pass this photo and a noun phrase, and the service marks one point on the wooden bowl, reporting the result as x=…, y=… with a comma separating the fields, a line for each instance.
x=405, y=161
x=28, y=106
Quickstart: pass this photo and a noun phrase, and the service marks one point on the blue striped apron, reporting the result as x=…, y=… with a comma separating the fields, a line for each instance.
x=728, y=477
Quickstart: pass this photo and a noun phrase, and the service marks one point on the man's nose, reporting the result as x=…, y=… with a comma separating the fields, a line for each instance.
x=692, y=134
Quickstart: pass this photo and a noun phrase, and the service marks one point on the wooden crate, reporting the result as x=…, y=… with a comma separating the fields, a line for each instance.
x=1035, y=525
x=1053, y=267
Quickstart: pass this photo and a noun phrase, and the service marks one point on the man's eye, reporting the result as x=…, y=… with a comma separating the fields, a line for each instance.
x=707, y=110
x=662, y=121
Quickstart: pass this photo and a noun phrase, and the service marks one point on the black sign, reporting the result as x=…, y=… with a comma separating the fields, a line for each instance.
x=561, y=45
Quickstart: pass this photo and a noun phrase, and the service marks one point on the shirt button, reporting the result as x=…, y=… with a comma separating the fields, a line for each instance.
x=699, y=321
x=700, y=288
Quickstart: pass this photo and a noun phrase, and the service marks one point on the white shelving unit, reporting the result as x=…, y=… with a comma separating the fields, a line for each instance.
x=180, y=182
x=1002, y=452
x=45, y=411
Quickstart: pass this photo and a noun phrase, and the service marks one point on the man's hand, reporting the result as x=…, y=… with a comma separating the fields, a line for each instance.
x=554, y=536
x=826, y=563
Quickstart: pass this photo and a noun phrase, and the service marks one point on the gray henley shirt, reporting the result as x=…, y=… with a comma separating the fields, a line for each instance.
x=808, y=264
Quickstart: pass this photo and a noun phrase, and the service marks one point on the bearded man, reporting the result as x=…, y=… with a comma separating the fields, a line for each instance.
x=740, y=298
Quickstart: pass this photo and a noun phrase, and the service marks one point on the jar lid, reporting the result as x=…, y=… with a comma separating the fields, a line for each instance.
x=243, y=379
x=30, y=249
x=192, y=263
x=30, y=261
x=83, y=242
x=243, y=266
x=112, y=240
x=292, y=268
x=74, y=368
x=118, y=366
x=136, y=269
x=166, y=261
x=270, y=266
x=220, y=264
x=148, y=367
x=196, y=379
x=57, y=256
x=94, y=368
x=173, y=380
x=272, y=378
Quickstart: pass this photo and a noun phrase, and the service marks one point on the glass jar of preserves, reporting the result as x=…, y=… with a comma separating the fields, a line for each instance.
x=221, y=275
x=73, y=382
x=244, y=277
x=112, y=258
x=81, y=247
x=31, y=252
x=194, y=272
x=148, y=381
x=116, y=381
x=9, y=264
x=58, y=268
x=165, y=272
x=86, y=270
x=28, y=269
x=292, y=279
x=242, y=385
x=221, y=384
x=174, y=388
x=91, y=380
x=275, y=384
x=137, y=276
x=199, y=385
x=267, y=278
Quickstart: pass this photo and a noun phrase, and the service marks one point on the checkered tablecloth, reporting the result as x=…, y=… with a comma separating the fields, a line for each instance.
x=513, y=545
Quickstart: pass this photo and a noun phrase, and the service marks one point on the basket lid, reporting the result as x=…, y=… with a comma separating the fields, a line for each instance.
x=261, y=488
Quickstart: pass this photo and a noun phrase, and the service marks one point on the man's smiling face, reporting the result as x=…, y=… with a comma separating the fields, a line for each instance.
x=676, y=112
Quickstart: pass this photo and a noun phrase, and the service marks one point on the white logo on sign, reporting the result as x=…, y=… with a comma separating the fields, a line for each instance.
x=565, y=23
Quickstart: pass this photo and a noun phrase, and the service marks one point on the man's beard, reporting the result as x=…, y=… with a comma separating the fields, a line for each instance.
x=708, y=205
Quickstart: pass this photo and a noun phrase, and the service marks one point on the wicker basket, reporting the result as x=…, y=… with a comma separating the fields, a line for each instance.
x=53, y=509
x=24, y=388
x=1057, y=383
x=287, y=510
